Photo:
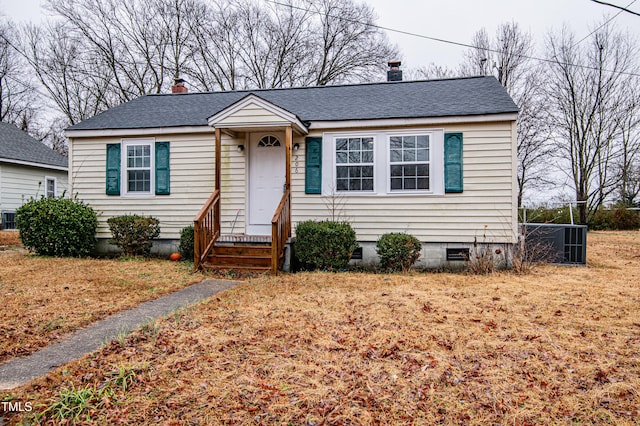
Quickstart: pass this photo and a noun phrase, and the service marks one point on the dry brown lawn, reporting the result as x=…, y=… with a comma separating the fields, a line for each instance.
x=44, y=298
x=558, y=346
x=9, y=238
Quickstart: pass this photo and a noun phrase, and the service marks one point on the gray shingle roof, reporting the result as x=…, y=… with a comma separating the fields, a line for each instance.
x=18, y=145
x=407, y=99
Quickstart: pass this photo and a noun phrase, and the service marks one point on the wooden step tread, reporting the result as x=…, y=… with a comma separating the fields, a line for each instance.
x=252, y=268
x=245, y=239
x=242, y=250
x=221, y=259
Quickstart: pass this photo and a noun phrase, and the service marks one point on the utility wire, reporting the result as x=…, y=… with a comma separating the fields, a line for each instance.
x=622, y=9
x=441, y=40
x=603, y=25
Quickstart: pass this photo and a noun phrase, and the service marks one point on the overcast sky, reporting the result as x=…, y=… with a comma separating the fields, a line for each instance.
x=451, y=20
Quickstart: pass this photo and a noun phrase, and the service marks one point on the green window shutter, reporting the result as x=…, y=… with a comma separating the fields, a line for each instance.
x=453, y=162
x=163, y=181
x=113, y=169
x=313, y=166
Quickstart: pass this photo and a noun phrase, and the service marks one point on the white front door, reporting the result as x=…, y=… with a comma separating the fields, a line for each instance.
x=266, y=180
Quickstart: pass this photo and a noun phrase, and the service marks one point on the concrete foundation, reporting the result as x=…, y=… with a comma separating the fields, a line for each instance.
x=432, y=255
x=160, y=248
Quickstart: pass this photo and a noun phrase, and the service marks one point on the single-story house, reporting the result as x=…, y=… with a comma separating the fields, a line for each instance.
x=435, y=159
x=28, y=169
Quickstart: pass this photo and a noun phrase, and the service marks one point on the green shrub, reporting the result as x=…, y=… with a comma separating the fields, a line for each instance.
x=324, y=245
x=134, y=234
x=57, y=227
x=398, y=251
x=615, y=219
x=186, y=243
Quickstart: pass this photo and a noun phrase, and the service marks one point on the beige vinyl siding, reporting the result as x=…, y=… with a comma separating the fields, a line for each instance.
x=252, y=114
x=487, y=200
x=21, y=183
x=233, y=185
x=192, y=174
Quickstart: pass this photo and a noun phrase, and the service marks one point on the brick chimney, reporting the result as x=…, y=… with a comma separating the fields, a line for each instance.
x=394, y=73
x=178, y=86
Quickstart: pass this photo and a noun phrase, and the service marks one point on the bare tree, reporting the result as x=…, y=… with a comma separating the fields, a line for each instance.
x=245, y=44
x=349, y=48
x=478, y=60
x=143, y=44
x=78, y=86
x=273, y=45
x=18, y=97
x=628, y=167
x=216, y=64
x=586, y=90
x=534, y=149
x=430, y=72
x=507, y=57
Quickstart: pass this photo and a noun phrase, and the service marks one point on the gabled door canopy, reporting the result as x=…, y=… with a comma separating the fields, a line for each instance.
x=252, y=112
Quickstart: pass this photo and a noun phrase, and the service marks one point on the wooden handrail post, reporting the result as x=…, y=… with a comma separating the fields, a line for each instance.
x=288, y=144
x=206, y=229
x=274, y=248
x=280, y=226
x=218, y=157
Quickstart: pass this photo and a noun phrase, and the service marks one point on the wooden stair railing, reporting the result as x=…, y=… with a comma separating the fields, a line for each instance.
x=206, y=229
x=280, y=230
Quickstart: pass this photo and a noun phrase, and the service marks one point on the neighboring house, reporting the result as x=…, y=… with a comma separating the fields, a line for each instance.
x=28, y=169
x=436, y=159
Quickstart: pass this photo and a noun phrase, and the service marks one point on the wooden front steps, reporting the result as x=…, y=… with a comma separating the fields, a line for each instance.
x=240, y=256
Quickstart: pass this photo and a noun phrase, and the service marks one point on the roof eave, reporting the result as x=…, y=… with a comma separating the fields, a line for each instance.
x=138, y=131
x=34, y=164
x=412, y=121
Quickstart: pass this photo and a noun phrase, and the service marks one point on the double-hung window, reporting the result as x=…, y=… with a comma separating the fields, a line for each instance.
x=354, y=163
x=409, y=162
x=138, y=168
x=138, y=164
x=404, y=162
x=50, y=186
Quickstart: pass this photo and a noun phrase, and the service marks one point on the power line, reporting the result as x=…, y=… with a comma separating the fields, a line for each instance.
x=603, y=25
x=622, y=9
x=441, y=40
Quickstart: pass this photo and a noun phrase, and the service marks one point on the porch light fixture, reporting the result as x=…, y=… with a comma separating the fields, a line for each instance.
x=296, y=146
x=240, y=148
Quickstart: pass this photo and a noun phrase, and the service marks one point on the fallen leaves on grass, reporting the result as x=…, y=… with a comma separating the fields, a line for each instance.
x=9, y=238
x=319, y=348
x=45, y=298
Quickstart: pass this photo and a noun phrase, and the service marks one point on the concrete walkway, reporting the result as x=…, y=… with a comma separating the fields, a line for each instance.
x=20, y=371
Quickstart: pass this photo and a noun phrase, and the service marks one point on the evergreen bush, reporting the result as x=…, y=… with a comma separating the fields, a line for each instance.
x=615, y=219
x=186, y=243
x=398, y=251
x=134, y=234
x=57, y=226
x=325, y=245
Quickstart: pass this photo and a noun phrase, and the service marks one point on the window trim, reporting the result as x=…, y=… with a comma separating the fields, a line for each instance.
x=3, y=226
x=429, y=162
x=124, y=181
x=373, y=164
x=381, y=156
x=53, y=179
